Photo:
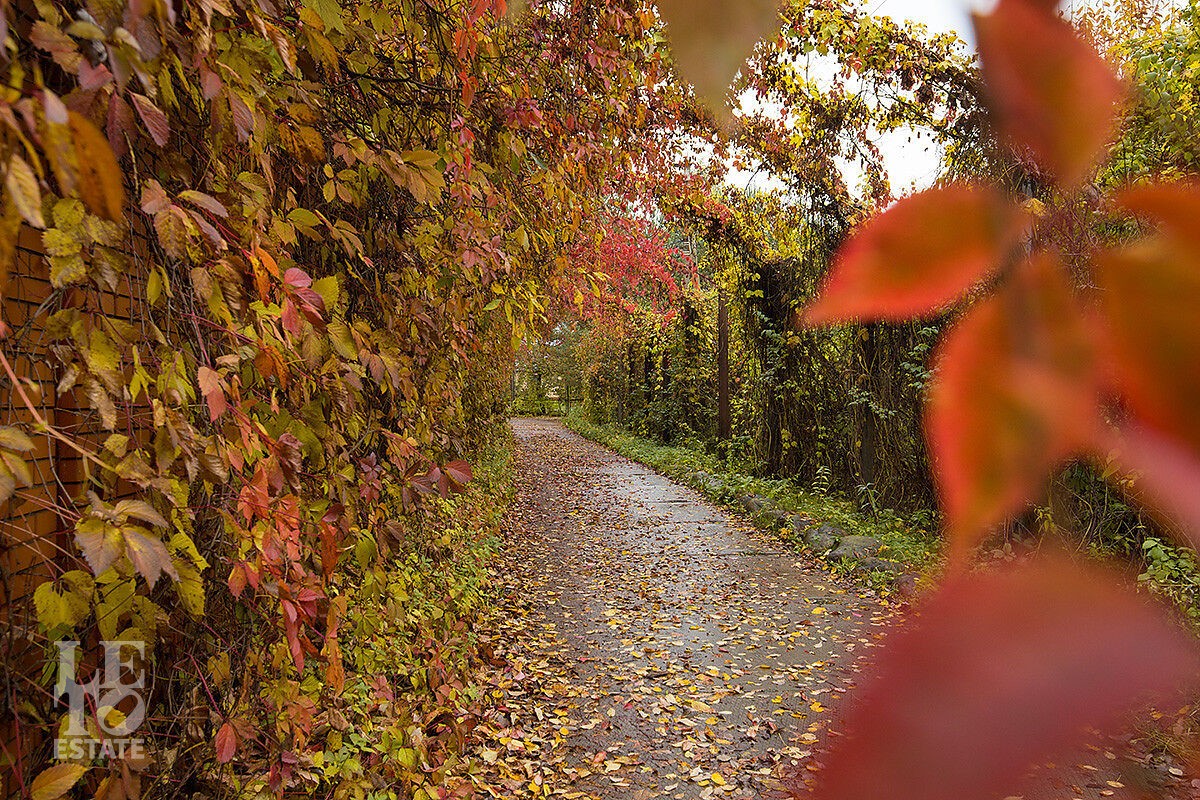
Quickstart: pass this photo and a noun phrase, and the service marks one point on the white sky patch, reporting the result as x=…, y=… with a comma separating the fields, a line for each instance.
x=913, y=163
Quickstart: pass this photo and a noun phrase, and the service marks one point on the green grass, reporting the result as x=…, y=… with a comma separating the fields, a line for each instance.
x=916, y=549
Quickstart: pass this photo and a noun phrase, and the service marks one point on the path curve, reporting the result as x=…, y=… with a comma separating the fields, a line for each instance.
x=692, y=655
x=653, y=645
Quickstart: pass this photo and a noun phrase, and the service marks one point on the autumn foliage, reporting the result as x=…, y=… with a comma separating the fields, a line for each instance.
x=283, y=249
x=286, y=246
x=1037, y=368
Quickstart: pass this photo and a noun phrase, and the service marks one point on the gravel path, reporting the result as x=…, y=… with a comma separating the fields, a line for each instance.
x=652, y=645
x=684, y=653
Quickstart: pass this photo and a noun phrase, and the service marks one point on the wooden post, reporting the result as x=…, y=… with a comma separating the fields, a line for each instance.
x=724, y=422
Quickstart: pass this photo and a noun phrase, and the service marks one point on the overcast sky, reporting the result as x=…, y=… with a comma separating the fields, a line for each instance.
x=913, y=164
x=939, y=15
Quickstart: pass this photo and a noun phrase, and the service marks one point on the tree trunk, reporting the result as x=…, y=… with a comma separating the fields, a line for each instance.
x=724, y=420
x=868, y=456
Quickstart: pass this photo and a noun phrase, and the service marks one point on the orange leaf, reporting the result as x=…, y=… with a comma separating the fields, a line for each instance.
x=101, y=185
x=1015, y=394
x=226, y=743
x=1176, y=206
x=54, y=782
x=1051, y=91
x=1002, y=670
x=1150, y=293
x=711, y=39
x=921, y=254
x=214, y=395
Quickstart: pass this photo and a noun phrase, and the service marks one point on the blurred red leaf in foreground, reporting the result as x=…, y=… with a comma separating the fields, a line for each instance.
x=1015, y=394
x=920, y=255
x=999, y=671
x=1168, y=474
x=1052, y=92
x=1149, y=296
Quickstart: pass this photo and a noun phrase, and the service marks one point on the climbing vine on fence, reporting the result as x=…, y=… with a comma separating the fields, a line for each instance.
x=286, y=245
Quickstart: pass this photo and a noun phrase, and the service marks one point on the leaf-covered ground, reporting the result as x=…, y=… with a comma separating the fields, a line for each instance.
x=659, y=647
x=651, y=645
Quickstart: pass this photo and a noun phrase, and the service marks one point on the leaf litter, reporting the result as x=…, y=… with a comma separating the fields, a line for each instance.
x=650, y=645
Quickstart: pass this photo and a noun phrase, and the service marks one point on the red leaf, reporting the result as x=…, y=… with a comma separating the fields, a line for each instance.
x=297, y=278
x=459, y=472
x=291, y=629
x=214, y=395
x=226, y=743
x=1002, y=670
x=153, y=117
x=920, y=255
x=119, y=125
x=290, y=317
x=1150, y=293
x=1051, y=91
x=1168, y=473
x=1015, y=394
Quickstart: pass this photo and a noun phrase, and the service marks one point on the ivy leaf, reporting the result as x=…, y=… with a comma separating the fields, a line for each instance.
x=102, y=402
x=214, y=395
x=13, y=468
x=999, y=671
x=101, y=185
x=917, y=257
x=204, y=201
x=1052, y=92
x=15, y=439
x=154, y=197
x=711, y=39
x=100, y=543
x=148, y=554
x=140, y=509
x=329, y=12
x=68, y=606
x=172, y=227
x=328, y=290
x=226, y=743
x=54, y=782
x=116, y=599
x=1015, y=394
x=296, y=278
x=189, y=586
x=459, y=472
x=153, y=118
x=22, y=187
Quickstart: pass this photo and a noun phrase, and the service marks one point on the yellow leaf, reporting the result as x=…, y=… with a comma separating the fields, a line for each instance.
x=54, y=782
x=22, y=186
x=101, y=186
